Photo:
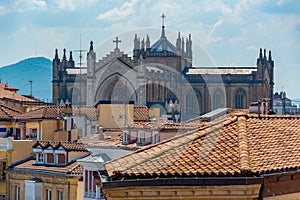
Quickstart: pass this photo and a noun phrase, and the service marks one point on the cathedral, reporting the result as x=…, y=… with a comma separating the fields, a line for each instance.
x=161, y=75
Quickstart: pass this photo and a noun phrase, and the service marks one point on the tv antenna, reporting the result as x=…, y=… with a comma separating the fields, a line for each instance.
x=80, y=54
x=80, y=50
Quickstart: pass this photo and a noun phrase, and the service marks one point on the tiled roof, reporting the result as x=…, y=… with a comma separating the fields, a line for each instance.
x=89, y=111
x=68, y=146
x=47, y=112
x=9, y=92
x=52, y=112
x=74, y=168
x=7, y=112
x=242, y=144
x=141, y=113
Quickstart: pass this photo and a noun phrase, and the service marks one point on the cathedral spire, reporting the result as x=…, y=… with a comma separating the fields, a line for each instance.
x=64, y=56
x=56, y=54
x=163, y=35
x=260, y=53
x=178, y=43
x=270, y=56
x=148, y=42
x=91, y=46
x=71, y=57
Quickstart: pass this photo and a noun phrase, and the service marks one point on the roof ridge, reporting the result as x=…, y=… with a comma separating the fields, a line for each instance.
x=189, y=137
x=243, y=144
x=152, y=146
x=273, y=116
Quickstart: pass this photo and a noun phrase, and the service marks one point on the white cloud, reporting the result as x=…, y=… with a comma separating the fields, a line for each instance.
x=66, y=5
x=3, y=10
x=119, y=13
x=29, y=5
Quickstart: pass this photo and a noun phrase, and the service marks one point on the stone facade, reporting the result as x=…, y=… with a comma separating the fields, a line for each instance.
x=160, y=74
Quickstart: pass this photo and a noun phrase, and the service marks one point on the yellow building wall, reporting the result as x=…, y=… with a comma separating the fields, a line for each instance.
x=64, y=135
x=155, y=112
x=32, y=125
x=114, y=116
x=293, y=196
x=48, y=129
x=21, y=149
x=69, y=186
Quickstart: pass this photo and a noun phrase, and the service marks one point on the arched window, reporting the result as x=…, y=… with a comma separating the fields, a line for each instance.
x=240, y=99
x=218, y=99
x=193, y=102
x=118, y=94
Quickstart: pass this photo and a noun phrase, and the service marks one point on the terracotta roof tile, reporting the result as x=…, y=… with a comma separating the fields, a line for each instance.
x=89, y=111
x=68, y=146
x=141, y=113
x=8, y=112
x=242, y=143
x=74, y=168
x=52, y=112
x=9, y=92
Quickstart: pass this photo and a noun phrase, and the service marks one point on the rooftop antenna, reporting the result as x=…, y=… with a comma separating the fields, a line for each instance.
x=80, y=50
x=30, y=81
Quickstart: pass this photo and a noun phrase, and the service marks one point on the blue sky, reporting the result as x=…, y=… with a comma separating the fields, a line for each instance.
x=231, y=32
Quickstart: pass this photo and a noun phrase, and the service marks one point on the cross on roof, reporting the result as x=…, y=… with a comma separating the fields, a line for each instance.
x=117, y=41
x=163, y=16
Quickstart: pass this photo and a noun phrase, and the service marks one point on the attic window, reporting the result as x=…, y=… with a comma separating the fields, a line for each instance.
x=40, y=158
x=50, y=158
x=61, y=159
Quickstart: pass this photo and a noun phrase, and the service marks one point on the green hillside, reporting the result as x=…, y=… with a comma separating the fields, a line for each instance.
x=38, y=69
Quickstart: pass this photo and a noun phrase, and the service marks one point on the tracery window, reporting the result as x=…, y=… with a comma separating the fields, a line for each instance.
x=218, y=99
x=193, y=102
x=240, y=99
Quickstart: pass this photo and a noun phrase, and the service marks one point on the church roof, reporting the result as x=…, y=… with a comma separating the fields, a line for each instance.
x=163, y=44
x=221, y=70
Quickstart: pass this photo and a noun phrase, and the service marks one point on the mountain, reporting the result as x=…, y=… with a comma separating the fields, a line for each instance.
x=37, y=69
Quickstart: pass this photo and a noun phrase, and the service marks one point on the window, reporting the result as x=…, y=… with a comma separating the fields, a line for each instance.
x=49, y=194
x=59, y=195
x=218, y=99
x=50, y=158
x=33, y=133
x=3, y=170
x=141, y=137
x=155, y=138
x=126, y=138
x=17, y=192
x=192, y=102
x=240, y=99
x=40, y=158
x=61, y=159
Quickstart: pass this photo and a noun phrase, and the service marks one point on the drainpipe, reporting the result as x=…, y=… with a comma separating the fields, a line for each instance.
x=68, y=190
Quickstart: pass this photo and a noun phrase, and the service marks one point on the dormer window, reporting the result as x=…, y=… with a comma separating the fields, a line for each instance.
x=50, y=158
x=61, y=159
x=39, y=157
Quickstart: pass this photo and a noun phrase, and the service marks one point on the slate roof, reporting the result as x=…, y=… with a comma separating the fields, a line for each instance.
x=239, y=145
x=68, y=146
x=73, y=169
x=160, y=45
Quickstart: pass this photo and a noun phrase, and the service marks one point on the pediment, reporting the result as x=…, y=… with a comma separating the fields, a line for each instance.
x=117, y=59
